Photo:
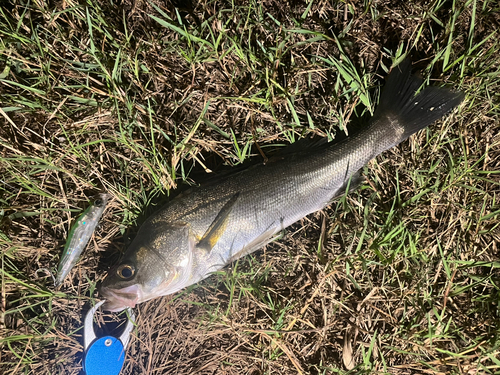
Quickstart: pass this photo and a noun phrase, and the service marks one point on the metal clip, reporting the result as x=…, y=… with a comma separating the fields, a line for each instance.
x=105, y=355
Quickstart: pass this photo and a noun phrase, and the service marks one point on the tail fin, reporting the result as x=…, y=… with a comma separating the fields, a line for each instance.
x=413, y=112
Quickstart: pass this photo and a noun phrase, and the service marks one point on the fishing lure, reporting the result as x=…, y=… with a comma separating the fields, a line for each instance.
x=79, y=236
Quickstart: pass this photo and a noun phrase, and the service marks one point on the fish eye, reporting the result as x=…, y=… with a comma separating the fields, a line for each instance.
x=98, y=202
x=125, y=271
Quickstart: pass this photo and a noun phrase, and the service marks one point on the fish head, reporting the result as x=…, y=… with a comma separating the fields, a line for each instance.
x=157, y=263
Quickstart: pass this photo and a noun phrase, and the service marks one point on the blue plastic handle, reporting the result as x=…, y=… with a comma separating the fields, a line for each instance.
x=105, y=356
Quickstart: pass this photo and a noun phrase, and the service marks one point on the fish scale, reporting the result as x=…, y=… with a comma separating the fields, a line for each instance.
x=200, y=231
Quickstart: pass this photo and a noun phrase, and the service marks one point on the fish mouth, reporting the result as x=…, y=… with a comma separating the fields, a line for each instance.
x=120, y=299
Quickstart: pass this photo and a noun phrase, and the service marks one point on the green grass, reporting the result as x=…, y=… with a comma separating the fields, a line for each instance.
x=139, y=98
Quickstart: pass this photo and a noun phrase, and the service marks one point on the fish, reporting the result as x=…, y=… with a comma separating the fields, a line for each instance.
x=207, y=227
x=79, y=235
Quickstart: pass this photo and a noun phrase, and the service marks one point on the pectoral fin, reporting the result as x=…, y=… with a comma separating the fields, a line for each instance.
x=218, y=226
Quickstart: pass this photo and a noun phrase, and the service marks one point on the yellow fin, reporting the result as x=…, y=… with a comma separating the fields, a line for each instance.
x=218, y=226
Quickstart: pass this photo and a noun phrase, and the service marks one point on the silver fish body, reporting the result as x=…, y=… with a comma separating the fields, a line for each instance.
x=201, y=231
x=79, y=236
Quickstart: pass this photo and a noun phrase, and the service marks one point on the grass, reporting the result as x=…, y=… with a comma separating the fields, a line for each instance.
x=139, y=98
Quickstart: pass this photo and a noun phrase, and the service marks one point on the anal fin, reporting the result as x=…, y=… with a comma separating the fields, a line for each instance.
x=350, y=185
